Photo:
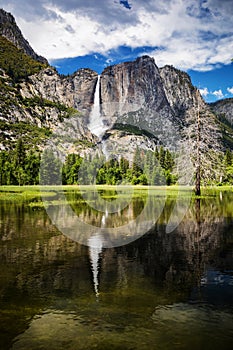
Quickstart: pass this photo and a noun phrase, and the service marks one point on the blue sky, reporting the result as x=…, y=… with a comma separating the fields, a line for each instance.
x=193, y=35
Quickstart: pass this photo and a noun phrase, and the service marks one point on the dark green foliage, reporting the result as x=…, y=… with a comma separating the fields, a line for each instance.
x=70, y=170
x=16, y=63
x=228, y=165
x=228, y=160
x=6, y=169
x=111, y=173
x=18, y=167
x=145, y=169
x=137, y=166
x=32, y=166
x=50, y=169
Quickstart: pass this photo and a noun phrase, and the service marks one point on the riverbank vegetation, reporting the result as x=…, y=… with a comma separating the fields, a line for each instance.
x=23, y=166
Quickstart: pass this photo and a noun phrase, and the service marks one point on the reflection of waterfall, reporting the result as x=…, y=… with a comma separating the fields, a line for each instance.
x=95, y=249
x=96, y=124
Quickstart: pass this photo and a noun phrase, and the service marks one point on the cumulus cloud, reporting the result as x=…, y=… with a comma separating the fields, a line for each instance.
x=230, y=90
x=218, y=93
x=204, y=92
x=186, y=33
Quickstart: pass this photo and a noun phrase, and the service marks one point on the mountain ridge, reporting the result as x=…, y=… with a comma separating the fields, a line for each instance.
x=157, y=101
x=10, y=30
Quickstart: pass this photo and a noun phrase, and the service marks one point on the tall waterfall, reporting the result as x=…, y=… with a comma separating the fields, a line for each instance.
x=96, y=125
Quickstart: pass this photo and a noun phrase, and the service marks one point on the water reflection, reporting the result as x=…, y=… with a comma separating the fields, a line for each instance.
x=95, y=244
x=174, y=287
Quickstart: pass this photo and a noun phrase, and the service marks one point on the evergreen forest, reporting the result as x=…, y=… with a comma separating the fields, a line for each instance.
x=21, y=166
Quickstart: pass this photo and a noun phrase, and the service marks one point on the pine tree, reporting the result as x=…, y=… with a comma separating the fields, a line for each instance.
x=162, y=156
x=19, y=162
x=228, y=159
x=50, y=168
x=32, y=166
x=137, y=163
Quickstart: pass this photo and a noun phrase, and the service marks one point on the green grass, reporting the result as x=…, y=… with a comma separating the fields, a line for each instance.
x=34, y=193
x=24, y=193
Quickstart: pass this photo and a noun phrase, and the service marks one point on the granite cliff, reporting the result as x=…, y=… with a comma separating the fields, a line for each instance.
x=139, y=103
x=224, y=109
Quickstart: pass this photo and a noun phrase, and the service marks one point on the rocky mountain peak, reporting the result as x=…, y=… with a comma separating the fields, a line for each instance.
x=179, y=90
x=131, y=86
x=10, y=30
x=139, y=104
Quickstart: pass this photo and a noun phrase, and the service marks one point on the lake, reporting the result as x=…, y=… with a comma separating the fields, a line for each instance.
x=170, y=287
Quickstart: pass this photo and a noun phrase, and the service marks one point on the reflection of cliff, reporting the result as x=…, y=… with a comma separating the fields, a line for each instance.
x=179, y=259
x=40, y=259
x=42, y=269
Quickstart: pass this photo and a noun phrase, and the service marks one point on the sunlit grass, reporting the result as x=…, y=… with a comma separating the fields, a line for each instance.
x=35, y=194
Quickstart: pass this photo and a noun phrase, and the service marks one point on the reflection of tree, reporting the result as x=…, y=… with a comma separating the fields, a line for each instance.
x=162, y=268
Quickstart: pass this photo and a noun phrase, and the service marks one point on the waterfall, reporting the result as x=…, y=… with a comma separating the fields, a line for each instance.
x=96, y=125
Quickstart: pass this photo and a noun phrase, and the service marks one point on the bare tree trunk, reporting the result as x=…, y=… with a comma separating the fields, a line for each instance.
x=198, y=166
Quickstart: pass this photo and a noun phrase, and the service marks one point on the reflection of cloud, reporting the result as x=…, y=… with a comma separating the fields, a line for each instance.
x=202, y=39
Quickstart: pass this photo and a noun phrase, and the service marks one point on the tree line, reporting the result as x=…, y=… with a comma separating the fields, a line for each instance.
x=146, y=168
x=31, y=167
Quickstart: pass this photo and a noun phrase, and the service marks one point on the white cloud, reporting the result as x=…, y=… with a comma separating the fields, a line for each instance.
x=188, y=35
x=230, y=90
x=204, y=92
x=218, y=93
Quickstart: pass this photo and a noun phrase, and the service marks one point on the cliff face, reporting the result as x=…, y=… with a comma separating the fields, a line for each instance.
x=223, y=108
x=140, y=104
x=41, y=107
x=35, y=100
x=10, y=30
x=139, y=98
x=134, y=87
x=180, y=93
x=76, y=91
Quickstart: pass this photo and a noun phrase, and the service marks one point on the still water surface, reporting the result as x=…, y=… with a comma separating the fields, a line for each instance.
x=162, y=291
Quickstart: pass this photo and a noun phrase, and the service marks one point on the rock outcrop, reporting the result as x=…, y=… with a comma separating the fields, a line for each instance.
x=180, y=92
x=75, y=91
x=134, y=87
x=10, y=30
x=140, y=104
x=223, y=109
x=138, y=97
